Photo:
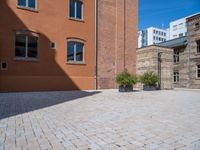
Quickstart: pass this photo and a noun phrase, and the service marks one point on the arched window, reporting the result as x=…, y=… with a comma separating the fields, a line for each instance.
x=26, y=45
x=75, y=52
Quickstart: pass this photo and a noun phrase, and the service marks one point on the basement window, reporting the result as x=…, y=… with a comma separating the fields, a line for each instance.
x=4, y=65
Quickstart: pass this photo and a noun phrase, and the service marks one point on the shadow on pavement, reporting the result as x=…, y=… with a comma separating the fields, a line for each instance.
x=12, y=104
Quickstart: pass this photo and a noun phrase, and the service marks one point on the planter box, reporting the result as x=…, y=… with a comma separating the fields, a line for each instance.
x=126, y=88
x=149, y=88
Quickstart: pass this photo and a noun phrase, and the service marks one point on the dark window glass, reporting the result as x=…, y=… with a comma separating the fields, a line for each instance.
x=20, y=46
x=198, y=46
x=79, y=52
x=70, y=51
x=26, y=46
x=176, y=76
x=72, y=8
x=198, y=71
x=176, y=56
x=32, y=47
x=79, y=10
x=181, y=34
x=53, y=45
x=31, y=3
x=75, y=51
x=22, y=3
x=3, y=65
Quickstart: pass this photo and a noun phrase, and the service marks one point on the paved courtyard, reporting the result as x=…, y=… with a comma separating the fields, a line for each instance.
x=102, y=120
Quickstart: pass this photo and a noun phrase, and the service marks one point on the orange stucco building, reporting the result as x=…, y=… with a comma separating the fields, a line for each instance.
x=65, y=44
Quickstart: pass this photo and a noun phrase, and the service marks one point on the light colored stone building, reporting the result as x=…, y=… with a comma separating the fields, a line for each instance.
x=147, y=60
x=186, y=61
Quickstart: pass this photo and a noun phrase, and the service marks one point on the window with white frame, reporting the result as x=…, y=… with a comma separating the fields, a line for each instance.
x=30, y=4
x=176, y=76
x=75, y=52
x=176, y=56
x=198, y=46
x=26, y=46
x=198, y=71
x=76, y=9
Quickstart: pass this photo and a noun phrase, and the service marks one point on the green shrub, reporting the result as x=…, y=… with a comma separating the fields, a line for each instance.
x=149, y=79
x=126, y=79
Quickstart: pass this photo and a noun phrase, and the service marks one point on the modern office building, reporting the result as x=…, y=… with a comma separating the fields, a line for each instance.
x=152, y=36
x=66, y=44
x=178, y=28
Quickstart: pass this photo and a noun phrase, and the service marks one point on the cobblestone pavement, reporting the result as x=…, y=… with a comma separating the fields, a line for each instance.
x=104, y=120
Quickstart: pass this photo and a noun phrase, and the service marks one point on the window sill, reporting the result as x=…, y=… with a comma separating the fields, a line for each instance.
x=28, y=9
x=75, y=63
x=26, y=59
x=197, y=54
x=75, y=19
x=176, y=63
x=176, y=82
x=197, y=78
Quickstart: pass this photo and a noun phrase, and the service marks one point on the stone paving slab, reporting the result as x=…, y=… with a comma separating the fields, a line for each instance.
x=100, y=120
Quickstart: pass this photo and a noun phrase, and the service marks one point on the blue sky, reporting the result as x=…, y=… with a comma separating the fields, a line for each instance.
x=159, y=13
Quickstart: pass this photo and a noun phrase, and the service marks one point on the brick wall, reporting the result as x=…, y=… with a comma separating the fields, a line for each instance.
x=117, y=24
x=147, y=60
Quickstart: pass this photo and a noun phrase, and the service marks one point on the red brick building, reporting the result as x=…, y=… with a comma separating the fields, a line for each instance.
x=66, y=44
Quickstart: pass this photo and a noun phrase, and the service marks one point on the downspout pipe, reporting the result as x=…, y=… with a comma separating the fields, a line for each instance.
x=95, y=45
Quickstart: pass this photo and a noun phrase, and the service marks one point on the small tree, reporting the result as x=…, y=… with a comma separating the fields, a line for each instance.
x=149, y=79
x=126, y=79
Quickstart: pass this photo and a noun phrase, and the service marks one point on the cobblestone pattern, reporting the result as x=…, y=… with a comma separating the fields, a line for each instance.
x=160, y=120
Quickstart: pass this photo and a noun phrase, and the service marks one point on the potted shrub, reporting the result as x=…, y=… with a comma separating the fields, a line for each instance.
x=150, y=81
x=126, y=81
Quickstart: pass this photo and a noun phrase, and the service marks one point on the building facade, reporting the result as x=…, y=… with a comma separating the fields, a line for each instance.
x=186, y=66
x=178, y=28
x=152, y=36
x=65, y=45
x=148, y=60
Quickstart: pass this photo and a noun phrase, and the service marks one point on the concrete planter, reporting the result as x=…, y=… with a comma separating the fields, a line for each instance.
x=149, y=88
x=128, y=88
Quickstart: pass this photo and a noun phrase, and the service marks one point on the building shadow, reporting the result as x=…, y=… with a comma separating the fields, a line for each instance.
x=12, y=104
x=45, y=74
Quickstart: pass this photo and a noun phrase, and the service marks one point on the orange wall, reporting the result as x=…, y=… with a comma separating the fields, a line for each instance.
x=50, y=72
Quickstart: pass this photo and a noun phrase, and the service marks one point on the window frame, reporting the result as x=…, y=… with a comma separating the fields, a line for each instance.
x=27, y=7
x=197, y=69
x=26, y=33
x=198, y=47
x=75, y=11
x=176, y=56
x=4, y=61
x=76, y=62
x=176, y=76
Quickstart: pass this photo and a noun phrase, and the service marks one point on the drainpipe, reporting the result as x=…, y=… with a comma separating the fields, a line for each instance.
x=159, y=70
x=95, y=45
